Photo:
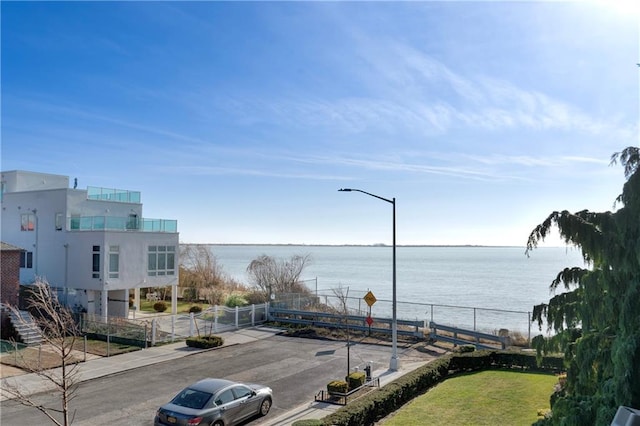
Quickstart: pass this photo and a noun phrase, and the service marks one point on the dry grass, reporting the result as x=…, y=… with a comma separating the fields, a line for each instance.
x=99, y=347
x=36, y=358
x=44, y=357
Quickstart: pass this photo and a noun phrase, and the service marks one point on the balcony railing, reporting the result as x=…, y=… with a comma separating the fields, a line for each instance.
x=109, y=194
x=111, y=223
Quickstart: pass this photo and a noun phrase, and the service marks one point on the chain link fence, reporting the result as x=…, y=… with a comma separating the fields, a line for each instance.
x=492, y=321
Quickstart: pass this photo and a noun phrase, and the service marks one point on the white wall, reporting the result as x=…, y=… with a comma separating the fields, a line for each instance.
x=19, y=180
x=65, y=257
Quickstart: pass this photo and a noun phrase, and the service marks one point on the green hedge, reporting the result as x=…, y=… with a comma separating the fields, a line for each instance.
x=356, y=379
x=308, y=422
x=205, y=342
x=339, y=386
x=374, y=406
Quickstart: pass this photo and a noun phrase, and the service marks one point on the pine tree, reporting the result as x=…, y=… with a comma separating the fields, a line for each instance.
x=596, y=319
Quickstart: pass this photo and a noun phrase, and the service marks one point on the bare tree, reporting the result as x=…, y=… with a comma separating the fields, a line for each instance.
x=199, y=270
x=271, y=275
x=342, y=293
x=59, y=332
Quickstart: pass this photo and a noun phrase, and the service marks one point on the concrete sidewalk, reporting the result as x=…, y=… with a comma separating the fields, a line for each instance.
x=31, y=384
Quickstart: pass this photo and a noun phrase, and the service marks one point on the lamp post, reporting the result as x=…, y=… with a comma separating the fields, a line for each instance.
x=394, y=363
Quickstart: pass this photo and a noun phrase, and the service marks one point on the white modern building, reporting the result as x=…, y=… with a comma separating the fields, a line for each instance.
x=93, y=245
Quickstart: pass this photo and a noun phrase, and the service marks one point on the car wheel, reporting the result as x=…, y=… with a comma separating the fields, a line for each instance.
x=265, y=406
x=218, y=423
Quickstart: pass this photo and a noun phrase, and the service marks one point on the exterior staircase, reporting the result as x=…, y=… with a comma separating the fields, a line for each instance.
x=26, y=327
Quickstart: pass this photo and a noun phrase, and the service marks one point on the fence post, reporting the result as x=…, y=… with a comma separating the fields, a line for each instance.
x=191, y=321
x=253, y=315
x=474, y=319
x=237, y=322
x=173, y=327
x=153, y=331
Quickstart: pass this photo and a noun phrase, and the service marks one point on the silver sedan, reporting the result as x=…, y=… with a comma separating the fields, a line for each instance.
x=215, y=402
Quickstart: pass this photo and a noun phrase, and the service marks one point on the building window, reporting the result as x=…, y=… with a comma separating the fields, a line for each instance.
x=114, y=261
x=26, y=259
x=27, y=222
x=161, y=260
x=96, y=262
x=59, y=221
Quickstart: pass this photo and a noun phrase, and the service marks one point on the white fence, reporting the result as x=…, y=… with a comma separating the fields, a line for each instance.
x=153, y=328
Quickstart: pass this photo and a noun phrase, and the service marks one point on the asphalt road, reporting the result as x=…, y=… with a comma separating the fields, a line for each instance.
x=295, y=368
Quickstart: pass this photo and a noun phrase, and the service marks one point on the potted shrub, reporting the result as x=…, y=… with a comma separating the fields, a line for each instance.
x=356, y=379
x=337, y=386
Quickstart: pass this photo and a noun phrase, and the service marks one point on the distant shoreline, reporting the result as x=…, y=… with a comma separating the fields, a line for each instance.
x=348, y=245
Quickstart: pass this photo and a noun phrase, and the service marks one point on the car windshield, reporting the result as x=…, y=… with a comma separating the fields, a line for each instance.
x=191, y=398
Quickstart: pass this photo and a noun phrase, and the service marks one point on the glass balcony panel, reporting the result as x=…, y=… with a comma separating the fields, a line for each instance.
x=110, y=194
x=98, y=222
x=115, y=223
x=86, y=223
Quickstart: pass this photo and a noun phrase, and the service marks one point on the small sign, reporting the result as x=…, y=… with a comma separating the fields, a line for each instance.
x=369, y=321
x=370, y=298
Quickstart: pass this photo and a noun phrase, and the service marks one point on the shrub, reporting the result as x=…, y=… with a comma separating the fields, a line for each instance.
x=308, y=422
x=160, y=306
x=195, y=309
x=190, y=294
x=465, y=349
x=356, y=379
x=235, y=300
x=339, y=386
x=205, y=342
x=255, y=297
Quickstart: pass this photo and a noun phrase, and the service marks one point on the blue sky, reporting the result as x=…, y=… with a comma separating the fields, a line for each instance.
x=242, y=119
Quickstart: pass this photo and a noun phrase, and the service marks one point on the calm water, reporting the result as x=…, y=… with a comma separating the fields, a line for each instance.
x=482, y=277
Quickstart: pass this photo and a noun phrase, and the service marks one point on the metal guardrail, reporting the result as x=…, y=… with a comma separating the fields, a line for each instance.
x=353, y=322
x=474, y=337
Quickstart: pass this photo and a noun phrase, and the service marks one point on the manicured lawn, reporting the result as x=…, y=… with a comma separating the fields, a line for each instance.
x=484, y=398
x=183, y=307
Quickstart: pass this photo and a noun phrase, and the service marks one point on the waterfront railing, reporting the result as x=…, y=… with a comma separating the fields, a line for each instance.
x=488, y=320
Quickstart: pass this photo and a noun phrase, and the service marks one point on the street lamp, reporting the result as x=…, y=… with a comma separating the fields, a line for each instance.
x=394, y=364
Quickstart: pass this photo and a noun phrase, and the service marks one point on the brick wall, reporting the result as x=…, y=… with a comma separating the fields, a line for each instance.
x=9, y=276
